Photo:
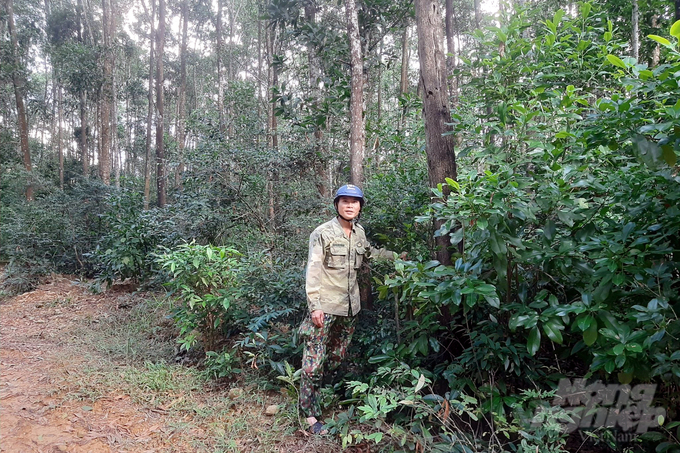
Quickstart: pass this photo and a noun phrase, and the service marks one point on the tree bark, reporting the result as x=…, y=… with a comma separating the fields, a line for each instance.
x=357, y=133
x=314, y=77
x=19, y=86
x=220, y=70
x=60, y=147
x=181, y=108
x=106, y=94
x=403, y=81
x=82, y=99
x=441, y=158
x=160, y=149
x=451, y=52
x=635, y=32
x=149, y=118
x=656, y=52
x=259, y=66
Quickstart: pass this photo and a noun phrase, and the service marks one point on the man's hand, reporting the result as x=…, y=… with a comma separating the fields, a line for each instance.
x=317, y=318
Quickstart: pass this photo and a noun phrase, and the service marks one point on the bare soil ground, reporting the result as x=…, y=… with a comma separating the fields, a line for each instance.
x=75, y=376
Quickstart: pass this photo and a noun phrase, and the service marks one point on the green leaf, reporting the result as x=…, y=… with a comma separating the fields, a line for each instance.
x=675, y=30
x=618, y=349
x=661, y=40
x=668, y=152
x=534, y=341
x=584, y=322
x=590, y=335
x=616, y=61
x=552, y=329
x=453, y=184
x=618, y=279
x=634, y=347
x=549, y=230
x=609, y=366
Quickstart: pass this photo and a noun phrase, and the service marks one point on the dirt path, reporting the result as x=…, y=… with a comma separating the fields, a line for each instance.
x=41, y=356
x=34, y=415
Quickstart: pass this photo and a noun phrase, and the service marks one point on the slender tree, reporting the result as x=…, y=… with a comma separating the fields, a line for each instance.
x=635, y=31
x=19, y=88
x=451, y=51
x=181, y=101
x=357, y=132
x=82, y=99
x=149, y=117
x=105, y=97
x=441, y=158
x=160, y=146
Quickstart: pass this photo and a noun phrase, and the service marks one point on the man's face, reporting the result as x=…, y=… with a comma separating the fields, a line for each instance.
x=349, y=207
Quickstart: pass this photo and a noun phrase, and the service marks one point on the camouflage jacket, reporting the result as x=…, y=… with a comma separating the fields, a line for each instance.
x=332, y=266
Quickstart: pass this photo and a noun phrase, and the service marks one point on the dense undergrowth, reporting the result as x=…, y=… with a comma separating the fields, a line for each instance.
x=564, y=221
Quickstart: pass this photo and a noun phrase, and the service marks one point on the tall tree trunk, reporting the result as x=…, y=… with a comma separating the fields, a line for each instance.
x=403, y=81
x=274, y=83
x=314, y=77
x=230, y=72
x=441, y=158
x=220, y=70
x=379, y=87
x=60, y=146
x=19, y=86
x=635, y=32
x=105, y=98
x=82, y=102
x=656, y=52
x=259, y=66
x=272, y=172
x=115, y=148
x=149, y=118
x=451, y=52
x=357, y=133
x=478, y=15
x=160, y=149
x=181, y=107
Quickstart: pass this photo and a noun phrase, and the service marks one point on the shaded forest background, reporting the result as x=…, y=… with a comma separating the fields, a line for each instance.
x=195, y=145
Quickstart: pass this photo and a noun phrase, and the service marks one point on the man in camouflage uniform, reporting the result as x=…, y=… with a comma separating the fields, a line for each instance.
x=336, y=250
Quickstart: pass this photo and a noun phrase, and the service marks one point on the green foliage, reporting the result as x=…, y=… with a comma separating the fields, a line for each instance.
x=53, y=233
x=204, y=281
x=132, y=237
x=566, y=211
x=220, y=365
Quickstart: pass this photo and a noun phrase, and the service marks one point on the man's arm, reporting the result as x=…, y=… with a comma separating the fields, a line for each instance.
x=314, y=272
x=382, y=254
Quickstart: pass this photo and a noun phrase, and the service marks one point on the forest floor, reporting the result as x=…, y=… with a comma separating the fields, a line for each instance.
x=86, y=372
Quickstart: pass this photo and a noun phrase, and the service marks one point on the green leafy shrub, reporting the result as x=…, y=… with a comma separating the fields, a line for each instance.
x=204, y=280
x=566, y=210
x=273, y=289
x=131, y=238
x=54, y=233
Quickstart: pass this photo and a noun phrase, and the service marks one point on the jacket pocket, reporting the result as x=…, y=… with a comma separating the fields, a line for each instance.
x=337, y=256
x=359, y=252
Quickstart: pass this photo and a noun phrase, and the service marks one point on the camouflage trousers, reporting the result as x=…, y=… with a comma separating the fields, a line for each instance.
x=325, y=347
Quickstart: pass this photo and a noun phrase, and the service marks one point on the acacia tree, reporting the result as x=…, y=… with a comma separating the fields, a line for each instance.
x=160, y=147
x=181, y=101
x=106, y=95
x=441, y=158
x=357, y=133
x=19, y=88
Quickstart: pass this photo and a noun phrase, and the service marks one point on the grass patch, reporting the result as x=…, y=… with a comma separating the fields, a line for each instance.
x=131, y=353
